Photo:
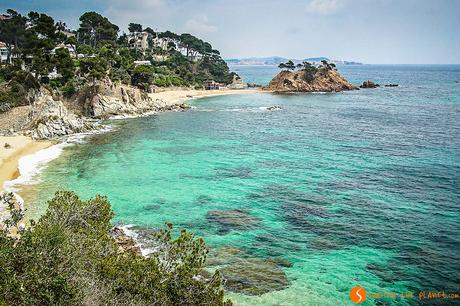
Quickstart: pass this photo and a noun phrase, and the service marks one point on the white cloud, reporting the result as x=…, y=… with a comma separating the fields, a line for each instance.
x=146, y=12
x=199, y=25
x=324, y=7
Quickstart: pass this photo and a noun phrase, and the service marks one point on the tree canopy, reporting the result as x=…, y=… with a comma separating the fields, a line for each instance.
x=62, y=58
x=68, y=257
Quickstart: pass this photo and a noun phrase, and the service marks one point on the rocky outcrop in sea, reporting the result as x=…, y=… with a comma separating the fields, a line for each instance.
x=323, y=80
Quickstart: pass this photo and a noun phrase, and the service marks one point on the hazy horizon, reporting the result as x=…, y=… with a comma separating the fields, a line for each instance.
x=381, y=32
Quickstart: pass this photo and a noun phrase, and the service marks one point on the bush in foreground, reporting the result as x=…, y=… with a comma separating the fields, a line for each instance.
x=69, y=258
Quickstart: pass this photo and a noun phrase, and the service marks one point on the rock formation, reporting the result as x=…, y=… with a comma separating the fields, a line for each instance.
x=126, y=244
x=108, y=99
x=49, y=118
x=237, y=83
x=323, y=80
x=369, y=84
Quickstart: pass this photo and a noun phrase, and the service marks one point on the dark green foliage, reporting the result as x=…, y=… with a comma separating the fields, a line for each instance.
x=134, y=27
x=12, y=32
x=64, y=64
x=69, y=89
x=309, y=71
x=39, y=50
x=142, y=76
x=96, y=30
x=69, y=258
x=93, y=68
x=289, y=65
x=15, y=86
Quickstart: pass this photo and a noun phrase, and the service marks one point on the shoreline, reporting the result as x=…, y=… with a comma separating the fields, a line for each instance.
x=20, y=146
x=24, y=149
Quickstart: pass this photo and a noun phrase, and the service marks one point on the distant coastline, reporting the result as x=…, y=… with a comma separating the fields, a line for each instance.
x=276, y=60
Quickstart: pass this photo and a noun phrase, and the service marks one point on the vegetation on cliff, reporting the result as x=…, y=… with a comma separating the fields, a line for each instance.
x=69, y=258
x=41, y=51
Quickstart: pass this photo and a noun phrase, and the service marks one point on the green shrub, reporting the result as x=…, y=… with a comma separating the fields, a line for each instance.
x=69, y=89
x=69, y=258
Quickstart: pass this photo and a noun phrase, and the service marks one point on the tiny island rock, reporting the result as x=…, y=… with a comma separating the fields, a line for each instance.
x=310, y=79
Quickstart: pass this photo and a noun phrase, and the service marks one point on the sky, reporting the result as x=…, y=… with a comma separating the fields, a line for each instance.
x=369, y=31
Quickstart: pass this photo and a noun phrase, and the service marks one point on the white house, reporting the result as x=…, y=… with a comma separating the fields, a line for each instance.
x=4, y=53
x=69, y=47
x=139, y=40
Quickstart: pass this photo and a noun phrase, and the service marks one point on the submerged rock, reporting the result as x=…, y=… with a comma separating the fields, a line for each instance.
x=369, y=84
x=232, y=219
x=244, y=273
x=254, y=276
x=391, y=85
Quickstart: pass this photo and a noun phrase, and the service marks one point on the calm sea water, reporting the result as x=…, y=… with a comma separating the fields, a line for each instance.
x=355, y=188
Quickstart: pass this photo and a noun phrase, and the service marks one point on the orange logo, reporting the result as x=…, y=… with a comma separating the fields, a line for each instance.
x=358, y=295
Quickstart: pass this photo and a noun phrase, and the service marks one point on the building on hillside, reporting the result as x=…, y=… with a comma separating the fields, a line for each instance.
x=161, y=43
x=4, y=53
x=5, y=17
x=211, y=85
x=138, y=63
x=139, y=40
x=69, y=47
x=68, y=33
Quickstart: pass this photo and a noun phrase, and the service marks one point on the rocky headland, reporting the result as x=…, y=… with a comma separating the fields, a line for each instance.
x=309, y=80
x=48, y=116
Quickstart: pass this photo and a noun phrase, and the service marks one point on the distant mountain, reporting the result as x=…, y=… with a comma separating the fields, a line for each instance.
x=273, y=60
x=276, y=60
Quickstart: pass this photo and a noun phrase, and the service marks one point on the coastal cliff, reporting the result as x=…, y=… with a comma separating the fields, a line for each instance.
x=313, y=80
x=49, y=116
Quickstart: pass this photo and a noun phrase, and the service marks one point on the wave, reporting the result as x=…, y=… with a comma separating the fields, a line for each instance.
x=30, y=166
x=238, y=110
x=133, y=234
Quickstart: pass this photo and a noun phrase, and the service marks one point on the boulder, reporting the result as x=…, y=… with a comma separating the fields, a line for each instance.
x=369, y=84
x=237, y=83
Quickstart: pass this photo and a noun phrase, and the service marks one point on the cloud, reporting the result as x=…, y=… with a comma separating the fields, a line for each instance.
x=146, y=12
x=199, y=25
x=324, y=7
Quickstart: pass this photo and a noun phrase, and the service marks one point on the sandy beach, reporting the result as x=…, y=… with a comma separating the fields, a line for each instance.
x=18, y=147
x=171, y=97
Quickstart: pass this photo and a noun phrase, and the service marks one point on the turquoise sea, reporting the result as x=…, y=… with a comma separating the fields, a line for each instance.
x=345, y=189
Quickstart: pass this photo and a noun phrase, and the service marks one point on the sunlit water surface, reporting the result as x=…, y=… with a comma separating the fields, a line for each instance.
x=354, y=188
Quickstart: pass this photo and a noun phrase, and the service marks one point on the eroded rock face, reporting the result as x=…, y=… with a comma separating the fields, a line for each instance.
x=232, y=219
x=110, y=99
x=324, y=80
x=50, y=118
